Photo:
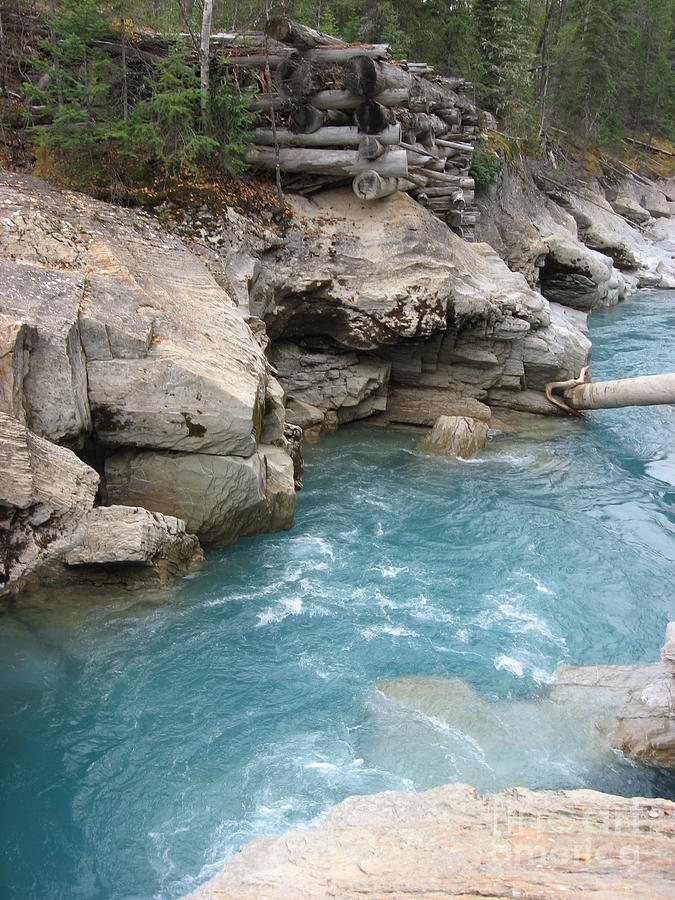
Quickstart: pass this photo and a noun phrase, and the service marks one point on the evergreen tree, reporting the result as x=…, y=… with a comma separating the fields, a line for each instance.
x=75, y=94
x=501, y=27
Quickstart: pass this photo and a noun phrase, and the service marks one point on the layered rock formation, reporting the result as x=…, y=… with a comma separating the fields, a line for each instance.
x=450, y=841
x=51, y=528
x=118, y=343
x=373, y=307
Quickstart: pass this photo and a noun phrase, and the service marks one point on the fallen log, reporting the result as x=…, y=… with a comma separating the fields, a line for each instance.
x=581, y=393
x=339, y=163
x=321, y=55
x=454, y=183
x=370, y=185
x=369, y=77
x=329, y=100
x=371, y=117
x=284, y=30
x=344, y=100
x=455, y=145
x=327, y=136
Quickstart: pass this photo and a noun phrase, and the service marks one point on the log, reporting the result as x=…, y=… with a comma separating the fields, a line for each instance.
x=284, y=30
x=329, y=100
x=327, y=136
x=340, y=163
x=443, y=177
x=370, y=185
x=321, y=55
x=454, y=182
x=294, y=78
x=645, y=390
x=451, y=115
x=455, y=145
x=343, y=100
x=369, y=77
x=305, y=119
x=370, y=147
x=371, y=117
x=335, y=117
x=406, y=185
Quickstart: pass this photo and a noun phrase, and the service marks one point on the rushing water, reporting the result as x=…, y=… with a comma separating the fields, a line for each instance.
x=143, y=741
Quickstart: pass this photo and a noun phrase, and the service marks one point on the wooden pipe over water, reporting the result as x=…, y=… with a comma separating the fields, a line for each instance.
x=580, y=393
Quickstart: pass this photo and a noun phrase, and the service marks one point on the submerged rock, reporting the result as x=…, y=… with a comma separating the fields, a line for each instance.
x=586, y=714
x=458, y=436
x=451, y=841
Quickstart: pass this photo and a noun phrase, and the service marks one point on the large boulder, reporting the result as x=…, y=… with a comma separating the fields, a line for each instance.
x=51, y=530
x=136, y=330
x=457, y=436
x=219, y=497
x=452, y=841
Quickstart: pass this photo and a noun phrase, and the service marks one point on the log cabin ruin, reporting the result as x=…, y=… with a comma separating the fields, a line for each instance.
x=332, y=113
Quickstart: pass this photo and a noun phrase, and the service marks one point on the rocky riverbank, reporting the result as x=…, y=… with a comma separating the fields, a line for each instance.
x=167, y=370
x=130, y=382
x=452, y=842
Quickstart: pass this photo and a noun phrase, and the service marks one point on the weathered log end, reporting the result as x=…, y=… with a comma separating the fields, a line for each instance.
x=305, y=119
x=362, y=76
x=294, y=78
x=372, y=117
x=371, y=185
x=370, y=147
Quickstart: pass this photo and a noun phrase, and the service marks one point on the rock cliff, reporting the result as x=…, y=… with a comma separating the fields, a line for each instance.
x=380, y=308
x=118, y=344
x=452, y=842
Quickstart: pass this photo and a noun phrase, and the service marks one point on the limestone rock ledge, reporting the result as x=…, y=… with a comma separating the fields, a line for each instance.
x=452, y=842
x=49, y=527
x=381, y=308
x=116, y=340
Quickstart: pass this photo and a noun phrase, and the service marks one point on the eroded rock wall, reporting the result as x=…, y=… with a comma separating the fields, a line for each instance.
x=116, y=339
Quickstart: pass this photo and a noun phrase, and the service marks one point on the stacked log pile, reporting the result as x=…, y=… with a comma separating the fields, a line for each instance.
x=333, y=113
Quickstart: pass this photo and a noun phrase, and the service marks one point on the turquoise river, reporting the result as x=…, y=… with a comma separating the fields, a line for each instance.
x=144, y=739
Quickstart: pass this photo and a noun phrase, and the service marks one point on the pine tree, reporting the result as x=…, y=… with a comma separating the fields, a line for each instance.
x=501, y=27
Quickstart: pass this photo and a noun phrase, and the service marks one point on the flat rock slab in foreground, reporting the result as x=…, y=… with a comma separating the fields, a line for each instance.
x=450, y=842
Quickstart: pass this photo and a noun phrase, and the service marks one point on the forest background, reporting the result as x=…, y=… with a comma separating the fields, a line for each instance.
x=81, y=100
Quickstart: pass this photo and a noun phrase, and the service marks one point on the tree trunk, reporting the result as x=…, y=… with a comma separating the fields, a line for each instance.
x=370, y=185
x=207, y=13
x=329, y=162
x=645, y=390
x=325, y=137
x=125, y=88
x=303, y=37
